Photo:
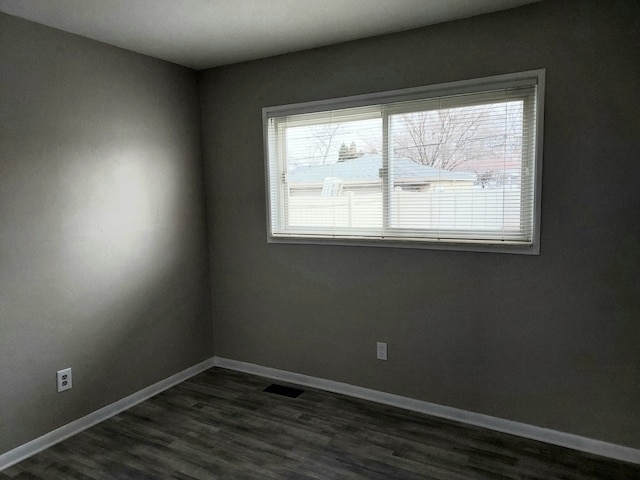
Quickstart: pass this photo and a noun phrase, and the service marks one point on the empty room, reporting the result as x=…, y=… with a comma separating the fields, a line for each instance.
x=338, y=239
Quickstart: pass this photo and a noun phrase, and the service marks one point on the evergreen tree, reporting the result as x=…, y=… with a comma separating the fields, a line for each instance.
x=353, y=151
x=343, y=153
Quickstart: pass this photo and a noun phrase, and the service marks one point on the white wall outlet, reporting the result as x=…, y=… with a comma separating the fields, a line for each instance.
x=382, y=350
x=64, y=379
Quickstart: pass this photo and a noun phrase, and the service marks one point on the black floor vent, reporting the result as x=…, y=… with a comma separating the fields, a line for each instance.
x=284, y=391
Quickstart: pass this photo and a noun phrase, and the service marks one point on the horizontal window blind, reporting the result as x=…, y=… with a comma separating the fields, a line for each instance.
x=450, y=169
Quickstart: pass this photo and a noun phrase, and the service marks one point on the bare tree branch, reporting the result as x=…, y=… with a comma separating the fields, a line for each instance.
x=448, y=138
x=324, y=136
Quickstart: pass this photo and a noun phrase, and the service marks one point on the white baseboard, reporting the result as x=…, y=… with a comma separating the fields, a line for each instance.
x=524, y=430
x=45, y=441
x=553, y=437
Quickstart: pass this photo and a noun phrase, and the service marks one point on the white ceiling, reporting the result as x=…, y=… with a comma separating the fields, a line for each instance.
x=207, y=33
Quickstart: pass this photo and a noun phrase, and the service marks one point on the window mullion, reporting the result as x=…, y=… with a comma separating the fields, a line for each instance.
x=282, y=180
x=385, y=173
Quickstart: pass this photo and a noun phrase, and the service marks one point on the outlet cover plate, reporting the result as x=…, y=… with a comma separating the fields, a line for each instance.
x=381, y=350
x=64, y=379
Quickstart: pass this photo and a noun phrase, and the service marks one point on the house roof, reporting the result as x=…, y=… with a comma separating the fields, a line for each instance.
x=366, y=168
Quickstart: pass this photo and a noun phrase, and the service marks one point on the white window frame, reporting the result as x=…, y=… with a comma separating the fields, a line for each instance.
x=275, y=162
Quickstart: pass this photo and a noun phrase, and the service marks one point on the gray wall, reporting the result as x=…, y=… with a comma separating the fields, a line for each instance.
x=550, y=340
x=103, y=250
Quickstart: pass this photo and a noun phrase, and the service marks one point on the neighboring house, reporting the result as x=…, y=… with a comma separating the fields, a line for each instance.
x=361, y=175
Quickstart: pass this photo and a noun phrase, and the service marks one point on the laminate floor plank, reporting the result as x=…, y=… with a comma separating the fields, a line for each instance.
x=221, y=425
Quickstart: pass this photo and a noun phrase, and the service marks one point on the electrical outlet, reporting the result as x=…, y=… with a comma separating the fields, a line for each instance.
x=64, y=379
x=382, y=351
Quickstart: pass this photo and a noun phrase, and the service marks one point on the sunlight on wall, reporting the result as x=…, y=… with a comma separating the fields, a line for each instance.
x=121, y=246
x=118, y=212
x=126, y=211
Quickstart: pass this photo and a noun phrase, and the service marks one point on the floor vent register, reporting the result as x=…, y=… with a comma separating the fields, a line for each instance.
x=284, y=391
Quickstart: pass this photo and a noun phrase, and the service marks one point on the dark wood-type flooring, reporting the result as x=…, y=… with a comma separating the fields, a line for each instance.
x=221, y=425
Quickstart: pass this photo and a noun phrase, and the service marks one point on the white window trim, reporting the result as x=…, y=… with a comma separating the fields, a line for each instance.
x=511, y=80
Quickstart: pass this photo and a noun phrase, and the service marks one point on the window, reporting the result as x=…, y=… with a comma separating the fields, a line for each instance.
x=450, y=166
